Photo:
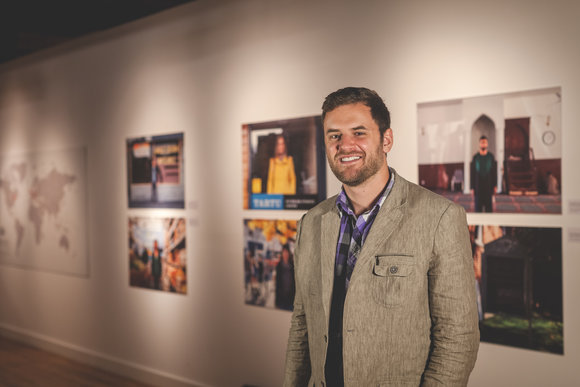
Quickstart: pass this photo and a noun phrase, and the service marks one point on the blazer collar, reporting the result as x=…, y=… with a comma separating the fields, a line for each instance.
x=386, y=222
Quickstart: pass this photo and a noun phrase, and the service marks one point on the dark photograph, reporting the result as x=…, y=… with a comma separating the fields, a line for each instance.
x=155, y=171
x=518, y=274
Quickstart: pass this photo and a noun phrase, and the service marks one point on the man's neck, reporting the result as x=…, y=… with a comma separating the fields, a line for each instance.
x=363, y=196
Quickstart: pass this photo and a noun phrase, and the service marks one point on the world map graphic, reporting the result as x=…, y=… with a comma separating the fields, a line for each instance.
x=39, y=195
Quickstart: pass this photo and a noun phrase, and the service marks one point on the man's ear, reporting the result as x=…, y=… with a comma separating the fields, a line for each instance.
x=388, y=140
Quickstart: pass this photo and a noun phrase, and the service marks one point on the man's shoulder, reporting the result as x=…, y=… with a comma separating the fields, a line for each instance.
x=322, y=208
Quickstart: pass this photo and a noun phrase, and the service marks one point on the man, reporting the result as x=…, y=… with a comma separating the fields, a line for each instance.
x=156, y=266
x=385, y=291
x=156, y=177
x=552, y=184
x=483, y=177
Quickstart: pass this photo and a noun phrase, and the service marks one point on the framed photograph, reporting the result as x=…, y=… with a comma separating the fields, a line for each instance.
x=283, y=164
x=155, y=175
x=157, y=254
x=519, y=286
x=269, y=263
x=497, y=153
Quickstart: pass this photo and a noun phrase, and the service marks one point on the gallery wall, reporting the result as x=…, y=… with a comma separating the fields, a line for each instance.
x=205, y=69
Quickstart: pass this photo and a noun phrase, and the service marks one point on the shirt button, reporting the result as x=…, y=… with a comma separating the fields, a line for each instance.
x=394, y=269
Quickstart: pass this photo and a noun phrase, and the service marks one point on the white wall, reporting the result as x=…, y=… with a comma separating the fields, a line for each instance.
x=205, y=69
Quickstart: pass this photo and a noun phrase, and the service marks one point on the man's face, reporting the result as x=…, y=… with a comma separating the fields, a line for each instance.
x=354, y=147
x=483, y=146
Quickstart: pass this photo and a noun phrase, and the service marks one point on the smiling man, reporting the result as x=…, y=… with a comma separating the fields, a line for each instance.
x=385, y=289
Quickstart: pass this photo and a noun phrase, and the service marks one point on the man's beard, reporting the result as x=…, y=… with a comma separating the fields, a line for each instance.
x=372, y=165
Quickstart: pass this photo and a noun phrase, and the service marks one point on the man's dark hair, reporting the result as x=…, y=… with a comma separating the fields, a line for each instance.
x=484, y=137
x=370, y=98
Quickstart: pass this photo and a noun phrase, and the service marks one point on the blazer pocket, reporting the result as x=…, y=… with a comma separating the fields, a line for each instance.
x=391, y=282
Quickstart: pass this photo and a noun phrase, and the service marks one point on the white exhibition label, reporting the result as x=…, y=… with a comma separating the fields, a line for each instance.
x=574, y=207
x=574, y=235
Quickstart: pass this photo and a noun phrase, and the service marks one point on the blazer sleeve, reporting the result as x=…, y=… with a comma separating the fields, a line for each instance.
x=297, y=369
x=452, y=302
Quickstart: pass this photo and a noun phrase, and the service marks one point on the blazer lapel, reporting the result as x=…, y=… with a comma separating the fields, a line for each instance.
x=387, y=220
x=330, y=228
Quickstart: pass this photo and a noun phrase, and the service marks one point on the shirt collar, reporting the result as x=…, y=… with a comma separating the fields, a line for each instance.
x=343, y=202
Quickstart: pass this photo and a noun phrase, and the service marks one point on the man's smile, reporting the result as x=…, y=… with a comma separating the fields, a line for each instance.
x=349, y=159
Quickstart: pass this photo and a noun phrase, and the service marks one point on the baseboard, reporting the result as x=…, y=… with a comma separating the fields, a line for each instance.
x=96, y=359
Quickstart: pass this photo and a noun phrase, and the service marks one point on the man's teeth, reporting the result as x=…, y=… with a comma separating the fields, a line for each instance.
x=351, y=158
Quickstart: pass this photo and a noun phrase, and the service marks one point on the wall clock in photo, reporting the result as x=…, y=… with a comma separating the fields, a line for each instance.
x=548, y=137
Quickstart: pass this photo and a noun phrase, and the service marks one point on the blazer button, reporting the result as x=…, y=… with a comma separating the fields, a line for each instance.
x=393, y=269
x=325, y=339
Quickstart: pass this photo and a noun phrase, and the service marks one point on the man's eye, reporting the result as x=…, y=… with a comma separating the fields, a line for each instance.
x=359, y=133
x=334, y=137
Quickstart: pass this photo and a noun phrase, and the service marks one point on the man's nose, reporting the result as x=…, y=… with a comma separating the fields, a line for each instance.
x=346, y=142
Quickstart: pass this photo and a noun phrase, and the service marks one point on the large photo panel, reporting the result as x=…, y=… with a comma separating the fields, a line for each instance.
x=157, y=254
x=519, y=286
x=269, y=263
x=498, y=153
x=155, y=175
x=284, y=165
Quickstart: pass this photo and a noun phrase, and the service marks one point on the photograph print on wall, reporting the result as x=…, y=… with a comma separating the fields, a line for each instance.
x=518, y=274
x=498, y=153
x=157, y=254
x=155, y=175
x=283, y=164
x=269, y=262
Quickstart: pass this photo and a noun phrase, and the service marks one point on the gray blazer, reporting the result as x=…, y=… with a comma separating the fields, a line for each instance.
x=410, y=313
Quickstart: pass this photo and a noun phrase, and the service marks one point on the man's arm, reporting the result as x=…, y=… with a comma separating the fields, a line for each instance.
x=297, y=370
x=494, y=174
x=453, y=305
x=472, y=173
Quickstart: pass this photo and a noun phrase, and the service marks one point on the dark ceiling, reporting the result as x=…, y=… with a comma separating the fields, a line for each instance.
x=27, y=26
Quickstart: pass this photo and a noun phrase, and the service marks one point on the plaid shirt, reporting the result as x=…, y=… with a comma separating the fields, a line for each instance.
x=354, y=230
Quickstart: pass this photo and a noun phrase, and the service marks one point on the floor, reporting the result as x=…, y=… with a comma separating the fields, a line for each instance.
x=25, y=366
x=538, y=204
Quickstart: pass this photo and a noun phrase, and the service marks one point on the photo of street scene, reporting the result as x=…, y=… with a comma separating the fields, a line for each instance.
x=155, y=176
x=157, y=254
x=269, y=263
